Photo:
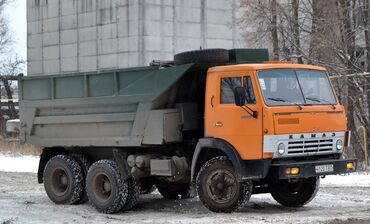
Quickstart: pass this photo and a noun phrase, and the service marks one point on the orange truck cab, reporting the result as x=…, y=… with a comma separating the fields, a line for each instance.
x=279, y=124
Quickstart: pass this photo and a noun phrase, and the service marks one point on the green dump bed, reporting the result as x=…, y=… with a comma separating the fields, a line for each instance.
x=122, y=108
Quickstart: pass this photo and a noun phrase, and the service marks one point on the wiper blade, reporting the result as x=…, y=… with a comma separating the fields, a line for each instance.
x=277, y=99
x=313, y=99
x=320, y=100
x=285, y=100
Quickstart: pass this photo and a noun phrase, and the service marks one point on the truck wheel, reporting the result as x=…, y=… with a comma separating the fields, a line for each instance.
x=105, y=188
x=63, y=180
x=202, y=56
x=85, y=165
x=295, y=194
x=218, y=188
x=175, y=191
x=133, y=194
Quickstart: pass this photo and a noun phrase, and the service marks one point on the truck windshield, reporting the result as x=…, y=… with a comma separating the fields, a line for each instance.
x=295, y=87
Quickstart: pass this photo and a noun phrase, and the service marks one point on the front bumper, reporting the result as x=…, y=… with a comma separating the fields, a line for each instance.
x=310, y=168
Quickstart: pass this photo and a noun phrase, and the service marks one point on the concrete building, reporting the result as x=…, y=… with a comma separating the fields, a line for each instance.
x=66, y=36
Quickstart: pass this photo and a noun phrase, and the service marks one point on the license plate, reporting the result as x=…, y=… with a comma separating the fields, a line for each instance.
x=324, y=168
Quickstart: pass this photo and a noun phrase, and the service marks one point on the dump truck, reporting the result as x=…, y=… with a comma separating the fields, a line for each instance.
x=222, y=124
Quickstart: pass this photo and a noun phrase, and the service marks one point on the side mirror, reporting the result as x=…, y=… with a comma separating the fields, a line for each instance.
x=239, y=94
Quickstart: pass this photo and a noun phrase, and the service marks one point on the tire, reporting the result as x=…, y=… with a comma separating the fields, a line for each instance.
x=63, y=180
x=175, y=191
x=295, y=194
x=85, y=165
x=214, y=56
x=133, y=194
x=105, y=188
x=214, y=178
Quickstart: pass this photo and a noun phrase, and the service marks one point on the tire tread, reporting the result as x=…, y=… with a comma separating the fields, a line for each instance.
x=78, y=180
x=245, y=193
x=122, y=187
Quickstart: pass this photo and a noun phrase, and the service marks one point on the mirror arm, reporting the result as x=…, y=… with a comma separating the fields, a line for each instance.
x=250, y=111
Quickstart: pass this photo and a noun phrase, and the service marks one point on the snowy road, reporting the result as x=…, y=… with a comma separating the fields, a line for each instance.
x=22, y=200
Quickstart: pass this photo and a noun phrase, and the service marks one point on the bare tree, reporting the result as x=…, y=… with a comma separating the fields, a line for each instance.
x=264, y=15
x=6, y=38
x=9, y=71
x=364, y=5
x=10, y=66
x=296, y=30
x=274, y=30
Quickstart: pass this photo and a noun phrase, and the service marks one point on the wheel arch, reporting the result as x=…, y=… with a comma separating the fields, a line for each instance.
x=46, y=155
x=208, y=148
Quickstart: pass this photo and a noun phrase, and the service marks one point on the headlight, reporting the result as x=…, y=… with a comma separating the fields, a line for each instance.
x=339, y=144
x=281, y=148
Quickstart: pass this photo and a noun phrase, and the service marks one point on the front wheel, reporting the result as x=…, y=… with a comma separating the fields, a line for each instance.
x=218, y=187
x=295, y=193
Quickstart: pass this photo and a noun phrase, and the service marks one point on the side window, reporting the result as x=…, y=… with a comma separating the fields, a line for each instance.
x=249, y=93
x=227, y=89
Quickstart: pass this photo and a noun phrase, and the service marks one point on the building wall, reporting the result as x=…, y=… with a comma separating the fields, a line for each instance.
x=66, y=36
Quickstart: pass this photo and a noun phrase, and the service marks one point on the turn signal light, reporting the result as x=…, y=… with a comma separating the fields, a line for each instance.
x=292, y=171
x=350, y=166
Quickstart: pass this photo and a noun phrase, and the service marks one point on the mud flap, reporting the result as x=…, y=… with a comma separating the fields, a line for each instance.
x=121, y=159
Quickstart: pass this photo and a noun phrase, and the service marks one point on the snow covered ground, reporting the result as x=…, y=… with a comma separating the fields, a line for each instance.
x=341, y=199
x=351, y=180
x=11, y=163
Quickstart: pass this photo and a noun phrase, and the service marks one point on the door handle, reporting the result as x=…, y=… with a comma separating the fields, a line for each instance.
x=212, y=101
x=219, y=124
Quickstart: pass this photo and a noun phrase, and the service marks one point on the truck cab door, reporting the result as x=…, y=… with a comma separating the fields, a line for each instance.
x=225, y=120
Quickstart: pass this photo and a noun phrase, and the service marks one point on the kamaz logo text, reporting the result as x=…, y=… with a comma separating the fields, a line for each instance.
x=323, y=135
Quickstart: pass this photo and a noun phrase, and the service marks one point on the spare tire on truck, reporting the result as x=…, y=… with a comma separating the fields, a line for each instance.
x=214, y=56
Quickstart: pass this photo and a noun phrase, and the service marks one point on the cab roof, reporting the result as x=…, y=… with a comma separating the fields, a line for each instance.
x=263, y=66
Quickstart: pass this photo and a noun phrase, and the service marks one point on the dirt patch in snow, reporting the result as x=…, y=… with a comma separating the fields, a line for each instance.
x=22, y=200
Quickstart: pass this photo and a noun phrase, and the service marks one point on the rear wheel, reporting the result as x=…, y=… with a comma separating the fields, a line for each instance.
x=133, y=193
x=105, y=188
x=175, y=191
x=85, y=165
x=63, y=180
x=218, y=188
x=295, y=193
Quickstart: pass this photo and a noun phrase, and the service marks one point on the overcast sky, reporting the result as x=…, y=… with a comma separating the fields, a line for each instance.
x=16, y=13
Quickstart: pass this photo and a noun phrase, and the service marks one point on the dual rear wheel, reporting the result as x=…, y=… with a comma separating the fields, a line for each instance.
x=64, y=180
x=107, y=191
x=69, y=179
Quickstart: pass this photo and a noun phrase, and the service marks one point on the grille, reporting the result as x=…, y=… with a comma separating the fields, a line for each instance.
x=310, y=146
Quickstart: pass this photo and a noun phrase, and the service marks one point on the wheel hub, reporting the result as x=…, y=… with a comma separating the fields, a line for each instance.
x=59, y=181
x=107, y=186
x=64, y=180
x=102, y=187
x=221, y=186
